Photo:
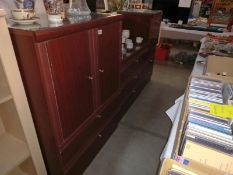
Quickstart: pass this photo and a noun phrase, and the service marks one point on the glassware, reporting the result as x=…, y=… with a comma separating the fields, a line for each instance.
x=78, y=7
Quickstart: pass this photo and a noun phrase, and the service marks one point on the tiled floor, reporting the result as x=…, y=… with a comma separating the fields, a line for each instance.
x=136, y=145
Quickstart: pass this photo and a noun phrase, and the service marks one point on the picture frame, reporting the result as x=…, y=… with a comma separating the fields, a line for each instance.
x=221, y=11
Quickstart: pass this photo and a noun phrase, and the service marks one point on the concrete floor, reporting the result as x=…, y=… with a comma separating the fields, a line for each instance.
x=136, y=145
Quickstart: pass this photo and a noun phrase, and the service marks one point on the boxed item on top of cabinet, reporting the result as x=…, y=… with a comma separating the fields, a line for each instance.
x=219, y=67
x=172, y=167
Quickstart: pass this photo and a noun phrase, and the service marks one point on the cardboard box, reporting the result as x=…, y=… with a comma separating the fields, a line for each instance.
x=184, y=112
x=209, y=157
x=219, y=67
x=193, y=167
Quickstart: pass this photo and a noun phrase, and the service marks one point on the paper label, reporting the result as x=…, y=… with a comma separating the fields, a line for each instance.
x=224, y=111
x=185, y=3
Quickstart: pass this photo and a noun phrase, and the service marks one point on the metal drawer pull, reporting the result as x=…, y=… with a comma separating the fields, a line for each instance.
x=101, y=70
x=99, y=32
x=98, y=116
x=90, y=78
x=150, y=60
x=134, y=91
x=100, y=135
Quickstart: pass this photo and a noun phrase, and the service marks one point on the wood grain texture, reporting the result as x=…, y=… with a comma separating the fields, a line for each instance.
x=72, y=78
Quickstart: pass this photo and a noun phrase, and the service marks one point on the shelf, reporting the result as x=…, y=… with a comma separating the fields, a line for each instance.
x=4, y=95
x=17, y=171
x=13, y=152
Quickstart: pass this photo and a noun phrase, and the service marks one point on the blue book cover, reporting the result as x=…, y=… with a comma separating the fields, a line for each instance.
x=210, y=125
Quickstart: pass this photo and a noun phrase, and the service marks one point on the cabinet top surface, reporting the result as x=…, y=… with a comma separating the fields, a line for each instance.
x=43, y=23
x=140, y=11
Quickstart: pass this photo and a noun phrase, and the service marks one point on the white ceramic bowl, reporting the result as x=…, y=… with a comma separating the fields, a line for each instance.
x=22, y=14
x=128, y=41
x=139, y=40
x=129, y=45
x=55, y=18
x=123, y=40
x=125, y=33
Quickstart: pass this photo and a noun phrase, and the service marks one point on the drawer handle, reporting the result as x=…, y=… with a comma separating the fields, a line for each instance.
x=99, y=32
x=150, y=60
x=99, y=116
x=101, y=70
x=100, y=135
x=90, y=78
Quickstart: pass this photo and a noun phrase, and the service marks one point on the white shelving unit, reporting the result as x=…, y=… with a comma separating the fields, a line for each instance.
x=13, y=152
x=17, y=171
x=20, y=153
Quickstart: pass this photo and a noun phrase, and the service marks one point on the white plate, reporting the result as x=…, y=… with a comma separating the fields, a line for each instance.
x=25, y=21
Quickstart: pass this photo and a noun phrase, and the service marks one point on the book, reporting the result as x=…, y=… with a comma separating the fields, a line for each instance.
x=208, y=131
x=211, y=136
x=210, y=124
x=210, y=143
x=208, y=156
x=209, y=116
x=174, y=172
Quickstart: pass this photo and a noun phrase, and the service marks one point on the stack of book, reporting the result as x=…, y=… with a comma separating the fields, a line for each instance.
x=207, y=138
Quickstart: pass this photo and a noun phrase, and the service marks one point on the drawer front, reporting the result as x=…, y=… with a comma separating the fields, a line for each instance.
x=132, y=71
x=130, y=92
x=91, y=151
x=109, y=113
x=80, y=143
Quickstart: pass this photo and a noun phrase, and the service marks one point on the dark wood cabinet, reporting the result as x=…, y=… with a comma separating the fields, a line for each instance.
x=70, y=63
x=108, y=47
x=137, y=66
x=71, y=73
x=77, y=84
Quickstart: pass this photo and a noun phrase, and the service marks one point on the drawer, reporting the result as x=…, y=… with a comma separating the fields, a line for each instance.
x=129, y=74
x=133, y=70
x=71, y=153
x=92, y=150
x=108, y=113
x=78, y=144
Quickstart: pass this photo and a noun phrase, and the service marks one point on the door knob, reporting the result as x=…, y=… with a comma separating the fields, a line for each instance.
x=101, y=70
x=135, y=77
x=99, y=116
x=150, y=60
x=90, y=78
x=134, y=91
x=99, y=32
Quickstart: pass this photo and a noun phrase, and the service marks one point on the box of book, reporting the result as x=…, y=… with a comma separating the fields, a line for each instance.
x=219, y=67
x=172, y=167
x=205, y=133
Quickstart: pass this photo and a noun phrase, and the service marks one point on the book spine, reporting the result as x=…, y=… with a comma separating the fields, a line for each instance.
x=203, y=129
x=214, y=145
x=209, y=125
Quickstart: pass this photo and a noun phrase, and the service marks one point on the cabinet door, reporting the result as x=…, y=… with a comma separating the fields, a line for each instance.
x=109, y=50
x=70, y=59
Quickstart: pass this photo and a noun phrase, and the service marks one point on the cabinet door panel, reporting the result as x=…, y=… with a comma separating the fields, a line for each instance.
x=71, y=66
x=109, y=43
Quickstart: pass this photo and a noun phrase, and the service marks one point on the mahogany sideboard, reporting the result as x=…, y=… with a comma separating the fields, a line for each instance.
x=78, y=83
